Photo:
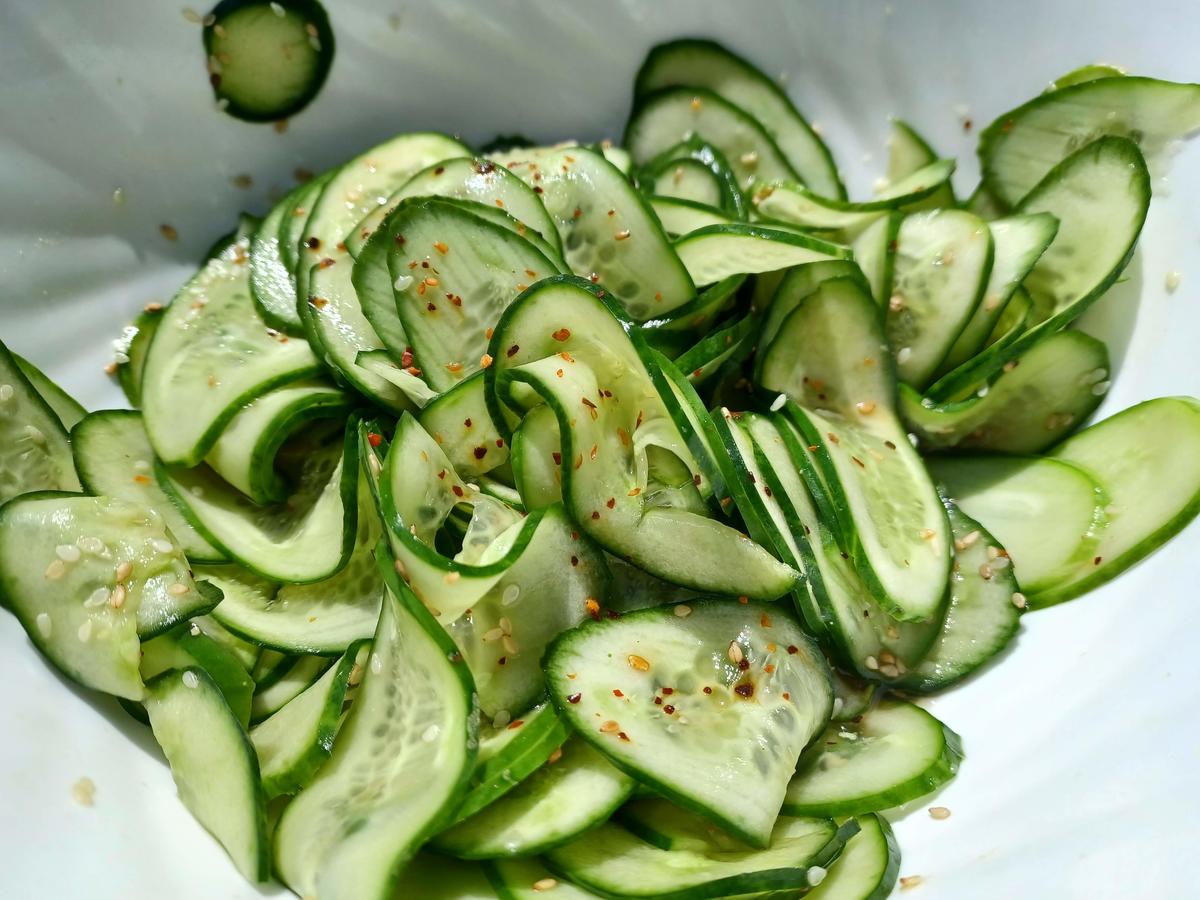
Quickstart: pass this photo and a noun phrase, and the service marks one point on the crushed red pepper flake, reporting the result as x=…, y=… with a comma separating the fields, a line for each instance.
x=374, y=439
x=512, y=351
x=574, y=698
x=562, y=334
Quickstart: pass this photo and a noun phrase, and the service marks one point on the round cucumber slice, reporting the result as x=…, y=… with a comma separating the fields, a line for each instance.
x=867, y=869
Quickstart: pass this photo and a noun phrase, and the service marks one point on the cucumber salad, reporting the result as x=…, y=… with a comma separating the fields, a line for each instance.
x=589, y=520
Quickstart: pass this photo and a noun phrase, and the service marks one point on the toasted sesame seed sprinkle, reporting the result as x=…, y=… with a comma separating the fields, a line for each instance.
x=683, y=611
x=815, y=875
x=871, y=663
x=117, y=598
x=510, y=645
x=545, y=884
x=986, y=572
x=124, y=570
x=510, y=596
x=44, y=625
x=638, y=663
x=865, y=407
x=610, y=726
x=505, y=625
x=162, y=545
x=402, y=282
x=910, y=881
x=939, y=812
x=1172, y=281
x=778, y=402
x=501, y=719
x=1019, y=600
x=178, y=589
x=735, y=652
x=83, y=791
x=56, y=570
x=492, y=634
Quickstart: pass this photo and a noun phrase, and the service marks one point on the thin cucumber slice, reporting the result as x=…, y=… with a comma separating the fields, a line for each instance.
x=1018, y=242
x=553, y=806
x=35, y=454
x=338, y=330
x=379, y=363
x=941, y=271
x=679, y=217
x=894, y=753
x=291, y=230
x=211, y=354
x=244, y=454
x=530, y=879
x=271, y=666
x=294, y=742
x=796, y=284
x=867, y=869
x=982, y=616
x=909, y=152
x=1100, y=195
x=1085, y=73
x=271, y=280
x=1048, y=515
x=1023, y=145
x=690, y=153
x=213, y=764
x=472, y=179
x=354, y=190
x=652, y=687
x=705, y=64
x=731, y=343
x=1145, y=510
x=307, y=538
x=875, y=252
x=796, y=205
x=686, y=179
x=114, y=459
x=663, y=118
x=666, y=826
x=511, y=753
x=398, y=769
x=129, y=351
x=186, y=647
x=105, y=534
x=460, y=422
x=537, y=459
x=719, y=251
x=1042, y=397
x=615, y=438
x=610, y=235
x=62, y=404
x=828, y=356
x=267, y=60
x=301, y=674
x=616, y=863
x=448, y=300
x=245, y=652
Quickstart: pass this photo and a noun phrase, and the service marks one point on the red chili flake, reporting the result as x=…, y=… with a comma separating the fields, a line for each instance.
x=574, y=560
x=499, y=442
x=502, y=660
x=623, y=736
x=668, y=691
x=574, y=698
x=141, y=479
x=669, y=709
x=1007, y=126
x=595, y=514
x=439, y=170
x=480, y=452
x=512, y=351
x=786, y=696
x=318, y=302
x=707, y=689
x=431, y=307
x=611, y=502
x=557, y=457
x=458, y=491
x=467, y=423
x=578, y=212
x=401, y=240
x=574, y=535
x=325, y=263
x=515, y=724
x=531, y=273
x=743, y=599
x=769, y=668
x=793, y=649
x=696, y=373
x=745, y=689
x=658, y=701
x=593, y=608
x=744, y=664
x=442, y=474
x=612, y=614
x=374, y=439
x=537, y=189
x=1097, y=560
x=562, y=334
x=859, y=462
x=696, y=479
x=313, y=243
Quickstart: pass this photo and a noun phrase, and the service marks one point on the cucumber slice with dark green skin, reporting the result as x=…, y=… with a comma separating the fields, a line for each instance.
x=1100, y=195
x=653, y=687
x=244, y=454
x=909, y=152
x=875, y=252
x=43, y=533
x=686, y=179
x=718, y=251
x=353, y=191
x=1022, y=146
x=410, y=736
x=616, y=863
x=1085, y=73
x=1056, y=385
x=35, y=453
x=308, y=538
x=679, y=217
x=610, y=235
x=719, y=186
x=295, y=741
x=213, y=765
x=551, y=807
x=447, y=300
x=1018, y=242
x=894, y=753
x=829, y=357
x=982, y=615
x=187, y=646
x=609, y=485
x=67, y=408
x=210, y=355
x=460, y=422
x=1009, y=494
x=271, y=280
x=114, y=459
x=302, y=673
x=867, y=869
x=851, y=697
x=129, y=351
x=1144, y=510
x=705, y=64
x=663, y=118
x=466, y=178
x=733, y=342
x=433, y=877
x=511, y=753
x=271, y=666
x=267, y=61
x=245, y=652
x=537, y=459
x=530, y=879
x=796, y=205
x=796, y=284
x=941, y=271
x=292, y=229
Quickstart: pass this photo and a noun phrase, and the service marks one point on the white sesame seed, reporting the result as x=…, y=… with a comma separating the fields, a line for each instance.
x=510, y=645
x=278, y=9
x=510, y=596
x=85, y=631
x=44, y=625
x=194, y=629
x=6, y=392
x=903, y=355
x=430, y=734
x=141, y=465
x=505, y=625
x=83, y=791
x=889, y=670
x=777, y=403
x=402, y=282
x=871, y=663
x=178, y=589
x=1019, y=600
x=191, y=679
x=68, y=553
x=376, y=663
x=56, y=570
x=683, y=611
x=117, y=600
x=98, y=597
x=124, y=570
x=192, y=16
x=815, y=875
x=162, y=545
x=1172, y=281
x=1100, y=388
x=501, y=719
x=492, y=634
x=939, y=812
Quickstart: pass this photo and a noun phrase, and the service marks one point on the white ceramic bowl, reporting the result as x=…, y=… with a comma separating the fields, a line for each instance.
x=1081, y=778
